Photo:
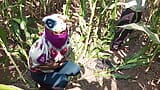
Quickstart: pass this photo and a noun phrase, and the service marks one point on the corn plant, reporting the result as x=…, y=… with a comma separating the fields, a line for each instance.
x=92, y=27
x=96, y=27
x=20, y=28
x=20, y=21
x=146, y=55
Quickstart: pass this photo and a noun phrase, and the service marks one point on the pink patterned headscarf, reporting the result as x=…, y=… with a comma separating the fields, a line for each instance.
x=52, y=45
x=56, y=40
x=56, y=23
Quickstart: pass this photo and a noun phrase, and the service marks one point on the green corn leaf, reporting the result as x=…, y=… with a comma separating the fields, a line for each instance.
x=83, y=7
x=115, y=75
x=137, y=26
x=119, y=76
x=17, y=20
x=16, y=31
x=114, y=13
x=128, y=66
x=9, y=87
x=139, y=53
x=67, y=7
x=3, y=36
x=138, y=62
x=4, y=59
x=103, y=3
x=23, y=25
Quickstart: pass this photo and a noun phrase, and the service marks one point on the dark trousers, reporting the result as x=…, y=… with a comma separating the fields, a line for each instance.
x=128, y=16
x=58, y=78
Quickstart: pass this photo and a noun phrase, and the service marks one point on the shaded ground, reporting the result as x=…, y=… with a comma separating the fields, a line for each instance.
x=143, y=78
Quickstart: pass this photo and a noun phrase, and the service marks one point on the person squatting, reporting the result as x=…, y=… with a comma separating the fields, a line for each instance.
x=47, y=56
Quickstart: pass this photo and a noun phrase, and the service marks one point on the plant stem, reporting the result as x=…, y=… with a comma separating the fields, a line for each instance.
x=68, y=4
x=154, y=54
x=10, y=57
x=89, y=30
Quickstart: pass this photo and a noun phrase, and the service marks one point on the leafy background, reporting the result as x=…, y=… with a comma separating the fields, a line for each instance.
x=92, y=26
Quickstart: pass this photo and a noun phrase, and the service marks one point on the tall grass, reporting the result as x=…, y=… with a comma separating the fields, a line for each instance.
x=97, y=27
x=93, y=27
x=19, y=27
x=95, y=23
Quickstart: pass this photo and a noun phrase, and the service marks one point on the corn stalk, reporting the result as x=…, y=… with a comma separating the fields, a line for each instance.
x=92, y=7
x=10, y=57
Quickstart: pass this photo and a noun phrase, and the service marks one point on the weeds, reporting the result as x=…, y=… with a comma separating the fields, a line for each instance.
x=95, y=26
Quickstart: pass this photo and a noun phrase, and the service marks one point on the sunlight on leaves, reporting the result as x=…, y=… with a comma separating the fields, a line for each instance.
x=153, y=36
x=9, y=87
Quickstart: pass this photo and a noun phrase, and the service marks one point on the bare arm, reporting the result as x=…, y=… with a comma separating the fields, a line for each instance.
x=50, y=66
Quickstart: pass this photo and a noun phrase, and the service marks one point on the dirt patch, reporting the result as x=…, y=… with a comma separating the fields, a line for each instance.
x=141, y=80
x=142, y=77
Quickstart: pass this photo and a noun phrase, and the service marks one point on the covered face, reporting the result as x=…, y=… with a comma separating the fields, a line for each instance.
x=56, y=30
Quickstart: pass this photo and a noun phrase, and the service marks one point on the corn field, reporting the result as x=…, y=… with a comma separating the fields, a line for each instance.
x=92, y=28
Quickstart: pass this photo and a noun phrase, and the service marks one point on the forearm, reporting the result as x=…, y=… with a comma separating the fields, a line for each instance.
x=50, y=66
x=45, y=67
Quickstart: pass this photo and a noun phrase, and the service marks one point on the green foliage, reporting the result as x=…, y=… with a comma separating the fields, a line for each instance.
x=67, y=7
x=15, y=28
x=153, y=36
x=3, y=36
x=114, y=75
x=83, y=4
x=95, y=27
x=9, y=87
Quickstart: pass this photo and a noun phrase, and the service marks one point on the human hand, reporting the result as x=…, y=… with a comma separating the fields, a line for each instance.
x=54, y=65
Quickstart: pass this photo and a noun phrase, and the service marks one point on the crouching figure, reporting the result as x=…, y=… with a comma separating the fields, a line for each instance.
x=47, y=63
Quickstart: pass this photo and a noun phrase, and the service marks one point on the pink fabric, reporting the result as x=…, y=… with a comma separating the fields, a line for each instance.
x=56, y=40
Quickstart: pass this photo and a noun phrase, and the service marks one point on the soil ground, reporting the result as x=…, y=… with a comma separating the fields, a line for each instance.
x=143, y=77
x=143, y=80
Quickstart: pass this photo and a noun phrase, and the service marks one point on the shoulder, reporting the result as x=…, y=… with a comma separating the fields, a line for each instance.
x=37, y=47
x=37, y=50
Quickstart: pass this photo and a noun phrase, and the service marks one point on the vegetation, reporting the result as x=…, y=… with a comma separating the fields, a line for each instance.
x=93, y=23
